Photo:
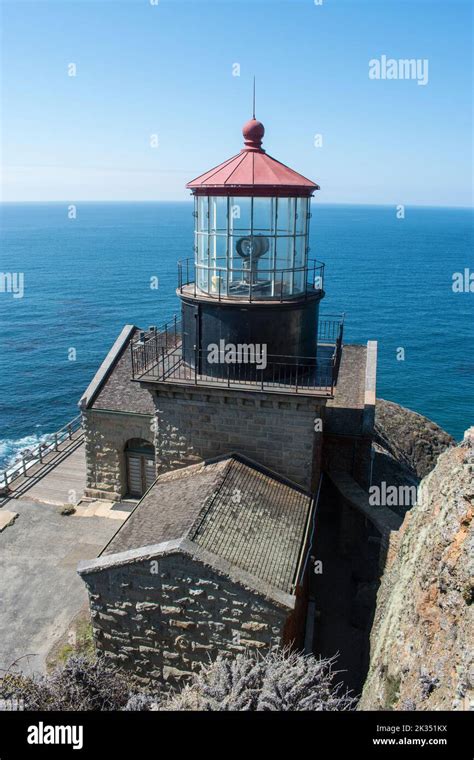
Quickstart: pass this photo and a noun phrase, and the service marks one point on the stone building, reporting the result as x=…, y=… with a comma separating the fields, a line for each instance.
x=211, y=561
x=249, y=370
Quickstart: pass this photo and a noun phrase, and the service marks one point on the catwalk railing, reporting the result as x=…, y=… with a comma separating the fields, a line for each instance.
x=263, y=283
x=157, y=356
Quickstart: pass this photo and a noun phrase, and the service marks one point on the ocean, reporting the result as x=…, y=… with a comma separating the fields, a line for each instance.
x=84, y=278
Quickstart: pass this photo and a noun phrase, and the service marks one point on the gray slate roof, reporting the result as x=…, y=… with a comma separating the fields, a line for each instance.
x=169, y=509
x=119, y=392
x=231, y=507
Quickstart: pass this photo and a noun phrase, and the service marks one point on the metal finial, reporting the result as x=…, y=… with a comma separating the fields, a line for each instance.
x=253, y=114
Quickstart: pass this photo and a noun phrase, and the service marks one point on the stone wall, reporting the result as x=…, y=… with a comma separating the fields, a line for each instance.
x=189, y=426
x=106, y=434
x=351, y=454
x=278, y=432
x=359, y=519
x=162, y=618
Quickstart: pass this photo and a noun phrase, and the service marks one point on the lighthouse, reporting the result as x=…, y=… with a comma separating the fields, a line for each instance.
x=248, y=364
x=251, y=281
x=232, y=425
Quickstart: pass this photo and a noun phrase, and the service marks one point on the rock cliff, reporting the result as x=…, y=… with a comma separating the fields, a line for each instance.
x=411, y=441
x=421, y=639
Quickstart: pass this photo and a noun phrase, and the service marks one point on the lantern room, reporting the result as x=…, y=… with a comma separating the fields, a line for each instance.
x=251, y=247
x=251, y=280
x=251, y=227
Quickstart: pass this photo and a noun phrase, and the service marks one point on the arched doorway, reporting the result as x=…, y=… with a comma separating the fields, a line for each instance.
x=140, y=462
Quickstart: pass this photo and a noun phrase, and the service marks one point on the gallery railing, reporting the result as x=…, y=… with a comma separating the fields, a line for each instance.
x=157, y=356
x=148, y=347
x=264, y=283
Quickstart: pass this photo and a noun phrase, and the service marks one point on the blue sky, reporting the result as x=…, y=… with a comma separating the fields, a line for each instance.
x=167, y=69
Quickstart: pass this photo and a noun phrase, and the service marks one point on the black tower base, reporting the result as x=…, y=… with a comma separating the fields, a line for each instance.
x=287, y=329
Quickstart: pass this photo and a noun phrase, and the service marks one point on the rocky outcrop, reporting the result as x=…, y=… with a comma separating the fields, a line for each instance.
x=406, y=447
x=414, y=442
x=422, y=632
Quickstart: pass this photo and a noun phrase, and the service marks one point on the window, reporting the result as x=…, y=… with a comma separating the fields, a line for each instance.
x=251, y=247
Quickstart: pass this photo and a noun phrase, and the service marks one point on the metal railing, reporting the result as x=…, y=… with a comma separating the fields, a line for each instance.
x=156, y=355
x=151, y=344
x=331, y=328
x=262, y=284
x=36, y=454
x=290, y=374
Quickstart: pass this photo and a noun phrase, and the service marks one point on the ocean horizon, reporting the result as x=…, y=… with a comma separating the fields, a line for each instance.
x=84, y=278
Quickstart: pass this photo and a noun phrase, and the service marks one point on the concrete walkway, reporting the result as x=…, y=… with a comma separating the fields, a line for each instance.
x=64, y=484
x=40, y=591
x=60, y=478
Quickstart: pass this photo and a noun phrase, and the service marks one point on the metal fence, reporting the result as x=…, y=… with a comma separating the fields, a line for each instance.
x=330, y=328
x=238, y=283
x=150, y=345
x=157, y=354
x=295, y=374
x=36, y=454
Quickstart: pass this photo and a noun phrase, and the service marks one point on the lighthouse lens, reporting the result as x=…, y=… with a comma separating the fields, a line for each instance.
x=254, y=245
x=247, y=247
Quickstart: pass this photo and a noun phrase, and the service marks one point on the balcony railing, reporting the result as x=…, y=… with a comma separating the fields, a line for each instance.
x=157, y=357
x=150, y=345
x=241, y=283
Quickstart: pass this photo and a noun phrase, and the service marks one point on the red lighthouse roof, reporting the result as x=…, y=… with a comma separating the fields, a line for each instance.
x=252, y=172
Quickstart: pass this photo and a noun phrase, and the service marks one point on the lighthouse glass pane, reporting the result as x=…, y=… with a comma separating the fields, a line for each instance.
x=201, y=244
x=301, y=215
x=202, y=278
x=300, y=251
x=286, y=216
x=240, y=215
x=202, y=212
x=263, y=213
x=218, y=214
x=299, y=279
x=284, y=250
x=239, y=283
x=218, y=282
x=217, y=251
x=283, y=265
x=268, y=266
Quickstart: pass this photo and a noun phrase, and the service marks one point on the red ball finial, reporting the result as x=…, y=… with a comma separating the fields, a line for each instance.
x=253, y=132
